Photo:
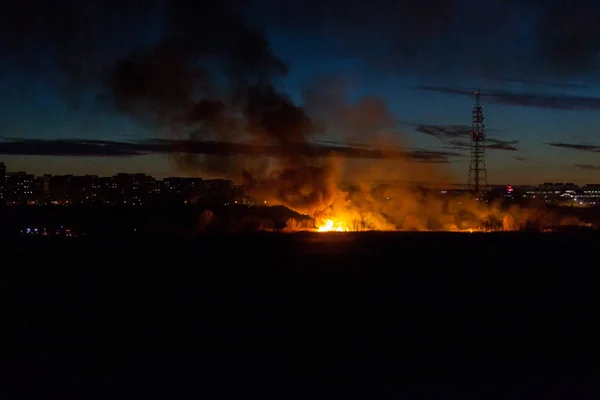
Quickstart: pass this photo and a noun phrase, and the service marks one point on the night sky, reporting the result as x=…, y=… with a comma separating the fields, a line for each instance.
x=536, y=63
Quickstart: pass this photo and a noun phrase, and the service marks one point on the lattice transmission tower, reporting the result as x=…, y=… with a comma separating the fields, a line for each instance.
x=477, y=171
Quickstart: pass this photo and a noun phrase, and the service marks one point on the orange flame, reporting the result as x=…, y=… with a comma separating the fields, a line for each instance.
x=330, y=226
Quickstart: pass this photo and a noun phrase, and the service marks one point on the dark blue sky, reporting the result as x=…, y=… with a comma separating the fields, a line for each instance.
x=535, y=62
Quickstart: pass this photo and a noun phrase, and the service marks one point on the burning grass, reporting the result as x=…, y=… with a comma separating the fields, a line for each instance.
x=456, y=215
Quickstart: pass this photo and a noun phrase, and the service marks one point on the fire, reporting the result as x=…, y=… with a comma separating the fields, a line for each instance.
x=431, y=214
x=330, y=226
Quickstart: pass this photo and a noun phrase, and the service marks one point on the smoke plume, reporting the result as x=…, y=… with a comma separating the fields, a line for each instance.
x=202, y=73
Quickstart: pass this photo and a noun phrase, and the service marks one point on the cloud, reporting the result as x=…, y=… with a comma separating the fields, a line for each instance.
x=574, y=146
x=491, y=144
x=100, y=148
x=435, y=157
x=539, y=83
x=456, y=137
x=588, y=167
x=446, y=90
x=337, y=143
x=497, y=144
x=418, y=155
x=83, y=148
x=444, y=131
x=519, y=158
x=539, y=100
x=457, y=144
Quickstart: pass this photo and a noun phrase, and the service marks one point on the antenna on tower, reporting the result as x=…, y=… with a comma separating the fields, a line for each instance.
x=477, y=171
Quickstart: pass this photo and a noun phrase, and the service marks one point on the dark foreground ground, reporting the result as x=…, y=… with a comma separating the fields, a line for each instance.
x=319, y=316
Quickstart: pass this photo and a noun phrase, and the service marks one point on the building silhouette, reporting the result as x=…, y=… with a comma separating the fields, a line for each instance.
x=2, y=181
x=21, y=188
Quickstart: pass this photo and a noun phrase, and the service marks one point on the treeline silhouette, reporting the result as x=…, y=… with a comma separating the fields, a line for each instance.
x=177, y=217
x=160, y=217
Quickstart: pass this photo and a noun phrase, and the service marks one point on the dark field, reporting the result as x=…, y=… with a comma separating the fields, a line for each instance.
x=279, y=316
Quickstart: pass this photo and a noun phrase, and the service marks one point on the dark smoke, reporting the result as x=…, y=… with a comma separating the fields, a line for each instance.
x=209, y=76
x=198, y=71
x=219, y=81
x=534, y=38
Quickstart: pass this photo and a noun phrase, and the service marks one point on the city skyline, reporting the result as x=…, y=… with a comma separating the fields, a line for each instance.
x=21, y=188
x=4, y=169
x=123, y=189
x=539, y=91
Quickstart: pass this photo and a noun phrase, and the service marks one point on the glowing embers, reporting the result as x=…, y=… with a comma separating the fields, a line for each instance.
x=469, y=230
x=329, y=226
